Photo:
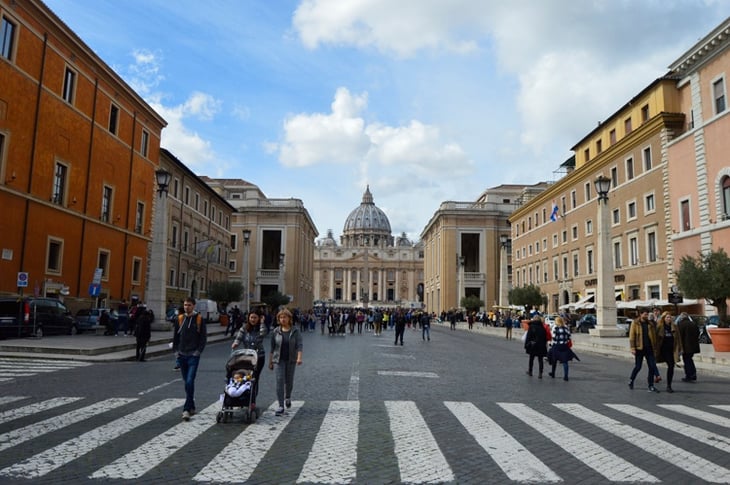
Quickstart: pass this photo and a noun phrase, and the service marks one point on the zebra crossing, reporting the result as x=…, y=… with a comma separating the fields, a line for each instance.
x=418, y=443
x=11, y=369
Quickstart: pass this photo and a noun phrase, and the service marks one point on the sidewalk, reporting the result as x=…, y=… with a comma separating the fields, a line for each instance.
x=88, y=347
x=707, y=361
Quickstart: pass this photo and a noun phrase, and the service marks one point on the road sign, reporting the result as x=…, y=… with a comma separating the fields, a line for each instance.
x=94, y=289
x=98, y=272
x=675, y=298
x=22, y=280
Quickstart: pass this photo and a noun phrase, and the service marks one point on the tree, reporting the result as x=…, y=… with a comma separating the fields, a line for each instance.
x=224, y=292
x=527, y=296
x=471, y=302
x=707, y=276
x=275, y=300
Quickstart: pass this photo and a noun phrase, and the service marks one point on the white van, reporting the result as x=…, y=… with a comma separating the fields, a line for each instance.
x=208, y=309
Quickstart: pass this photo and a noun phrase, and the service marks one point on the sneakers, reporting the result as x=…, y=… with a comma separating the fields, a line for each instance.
x=288, y=403
x=186, y=416
x=631, y=384
x=551, y=375
x=653, y=389
x=670, y=390
x=279, y=411
x=192, y=412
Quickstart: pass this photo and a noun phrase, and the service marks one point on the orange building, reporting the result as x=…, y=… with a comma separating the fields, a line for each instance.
x=78, y=154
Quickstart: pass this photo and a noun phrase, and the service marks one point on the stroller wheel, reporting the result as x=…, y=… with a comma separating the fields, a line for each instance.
x=219, y=416
x=247, y=416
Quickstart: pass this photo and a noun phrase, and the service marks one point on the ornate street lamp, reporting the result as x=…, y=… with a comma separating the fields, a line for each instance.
x=156, y=284
x=505, y=243
x=605, y=299
x=163, y=180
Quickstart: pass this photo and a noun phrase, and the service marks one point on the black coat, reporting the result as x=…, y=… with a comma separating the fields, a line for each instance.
x=536, y=340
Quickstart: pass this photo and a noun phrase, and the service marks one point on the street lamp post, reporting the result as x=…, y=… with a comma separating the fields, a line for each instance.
x=246, y=240
x=156, y=285
x=281, y=272
x=606, y=298
x=505, y=242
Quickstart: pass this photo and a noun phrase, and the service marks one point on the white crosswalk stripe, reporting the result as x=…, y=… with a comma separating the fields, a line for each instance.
x=514, y=459
x=419, y=457
x=597, y=457
x=47, y=461
x=335, y=452
x=22, y=368
x=694, y=464
x=333, y=458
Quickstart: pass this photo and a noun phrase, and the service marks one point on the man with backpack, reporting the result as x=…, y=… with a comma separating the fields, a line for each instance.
x=188, y=343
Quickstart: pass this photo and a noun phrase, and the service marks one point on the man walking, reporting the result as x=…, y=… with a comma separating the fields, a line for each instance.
x=425, y=326
x=689, y=336
x=642, y=341
x=188, y=343
x=400, y=326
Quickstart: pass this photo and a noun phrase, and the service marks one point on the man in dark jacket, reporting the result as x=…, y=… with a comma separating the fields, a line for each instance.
x=188, y=343
x=143, y=331
x=689, y=335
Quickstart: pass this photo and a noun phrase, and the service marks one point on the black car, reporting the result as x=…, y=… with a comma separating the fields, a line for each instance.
x=88, y=318
x=23, y=317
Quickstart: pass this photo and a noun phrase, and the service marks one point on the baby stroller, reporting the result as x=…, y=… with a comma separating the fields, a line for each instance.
x=245, y=361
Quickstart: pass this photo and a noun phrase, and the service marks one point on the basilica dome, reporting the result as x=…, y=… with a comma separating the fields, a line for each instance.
x=367, y=224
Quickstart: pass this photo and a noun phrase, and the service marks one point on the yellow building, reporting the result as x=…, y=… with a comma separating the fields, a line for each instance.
x=463, y=250
x=561, y=256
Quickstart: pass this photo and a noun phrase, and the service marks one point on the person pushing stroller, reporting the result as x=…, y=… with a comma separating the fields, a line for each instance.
x=251, y=336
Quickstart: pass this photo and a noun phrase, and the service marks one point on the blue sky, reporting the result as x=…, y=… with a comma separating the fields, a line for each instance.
x=424, y=100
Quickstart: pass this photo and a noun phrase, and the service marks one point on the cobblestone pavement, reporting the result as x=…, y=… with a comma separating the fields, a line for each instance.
x=456, y=409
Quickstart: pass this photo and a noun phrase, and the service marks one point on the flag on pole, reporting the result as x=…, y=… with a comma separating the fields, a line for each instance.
x=554, y=214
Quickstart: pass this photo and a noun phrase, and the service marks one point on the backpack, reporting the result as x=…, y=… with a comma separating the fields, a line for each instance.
x=181, y=319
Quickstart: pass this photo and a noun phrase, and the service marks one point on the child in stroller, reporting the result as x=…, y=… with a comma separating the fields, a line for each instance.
x=240, y=381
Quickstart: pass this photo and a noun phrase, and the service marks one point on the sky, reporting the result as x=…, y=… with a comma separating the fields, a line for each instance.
x=425, y=101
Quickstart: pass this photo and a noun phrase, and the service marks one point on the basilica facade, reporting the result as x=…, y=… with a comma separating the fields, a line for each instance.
x=368, y=267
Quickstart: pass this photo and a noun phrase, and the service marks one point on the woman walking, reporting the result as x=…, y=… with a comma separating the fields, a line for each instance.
x=286, y=354
x=536, y=344
x=561, y=351
x=668, y=345
x=251, y=336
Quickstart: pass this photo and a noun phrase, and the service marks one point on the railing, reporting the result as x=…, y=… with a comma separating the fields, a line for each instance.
x=468, y=276
x=268, y=274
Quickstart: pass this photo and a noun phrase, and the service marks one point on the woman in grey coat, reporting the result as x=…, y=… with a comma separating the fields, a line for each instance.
x=286, y=354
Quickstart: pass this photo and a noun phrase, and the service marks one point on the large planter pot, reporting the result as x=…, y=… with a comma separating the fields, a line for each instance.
x=720, y=339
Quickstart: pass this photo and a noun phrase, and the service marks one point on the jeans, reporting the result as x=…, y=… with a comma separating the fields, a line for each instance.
x=690, y=371
x=284, y=380
x=426, y=332
x=639, y=356
x=188, y=369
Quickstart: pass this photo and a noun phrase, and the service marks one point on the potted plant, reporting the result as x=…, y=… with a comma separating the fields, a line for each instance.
x=705, y=276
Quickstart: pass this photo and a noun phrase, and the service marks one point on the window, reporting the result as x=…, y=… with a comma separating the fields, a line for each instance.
x=718, y=94
x=599, y=146
x=69, y=85
x=234, y=242
x=562, y=205
x=576, y=269
x=629, y=168
x=183, y=280
x=185, y=239
x=646, y=154
x=205, y=207
x=59, y=183
x=644, y=113
x=54, y=256
x=651, y=246
x=589, y=227
x=139, y=218
x=7, y=43
x=649, y=203
x=176, y=188
x=617, y=254
x=555, y=240
x=612, y=136
x=171, y=278
x=588, y=191
x=573, y=201
x=565, y=267
x=587, y=154
x=2, y=153
x=136, y=270
x=113, y=119
x=144, y=144
x=589, y=260
x=627, y=126
x=565, y=237
x=103, y=263
x=725, y=193
x=106, y=203
x=616, y=216
x=684, y=215
x=654, y=292
x=614, y=177
x=631, y=211
x=186, y=197
x=232, y=265
x=556, y=271
x=173, y=237
x=633, y=251
x=196, y=201
x=574, y=232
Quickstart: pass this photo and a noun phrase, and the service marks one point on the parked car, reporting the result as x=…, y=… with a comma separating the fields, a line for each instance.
x=550, y=319
x=585, y=323
x=22, y=317
x=624, y=323
x=88, y=318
